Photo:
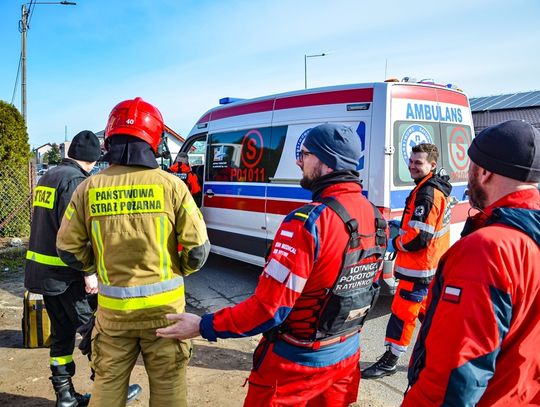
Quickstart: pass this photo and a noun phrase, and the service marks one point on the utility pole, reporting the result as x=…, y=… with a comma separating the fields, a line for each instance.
x=23, y=28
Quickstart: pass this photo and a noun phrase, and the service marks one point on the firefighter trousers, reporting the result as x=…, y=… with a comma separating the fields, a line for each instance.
x=114, y=354
x=409, y=301
x=67, y=311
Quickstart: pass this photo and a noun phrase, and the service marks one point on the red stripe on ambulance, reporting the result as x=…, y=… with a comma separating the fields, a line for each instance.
x=431, y=94
x=290, y=102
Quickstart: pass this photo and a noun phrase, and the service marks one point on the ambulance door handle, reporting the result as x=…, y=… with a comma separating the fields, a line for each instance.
x=209, y=193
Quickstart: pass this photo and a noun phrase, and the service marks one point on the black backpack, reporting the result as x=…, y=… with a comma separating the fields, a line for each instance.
x=354, y=292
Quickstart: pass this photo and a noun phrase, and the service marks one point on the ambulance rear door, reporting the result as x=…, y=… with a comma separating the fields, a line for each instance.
x=431, y=114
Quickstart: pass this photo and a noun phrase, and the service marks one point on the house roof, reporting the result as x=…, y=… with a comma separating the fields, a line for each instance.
x=44, y=145
x=506, y=101
x=174, y=134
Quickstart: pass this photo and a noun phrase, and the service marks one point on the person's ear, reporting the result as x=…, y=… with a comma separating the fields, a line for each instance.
x=326, y=169
x=485, y=175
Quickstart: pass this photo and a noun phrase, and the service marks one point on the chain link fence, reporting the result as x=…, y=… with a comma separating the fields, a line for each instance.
x=17, y=183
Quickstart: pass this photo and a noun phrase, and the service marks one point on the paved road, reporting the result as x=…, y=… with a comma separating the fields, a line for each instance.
x=224, y=282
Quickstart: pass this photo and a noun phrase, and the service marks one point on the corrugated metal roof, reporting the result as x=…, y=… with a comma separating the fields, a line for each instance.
x=508, y=101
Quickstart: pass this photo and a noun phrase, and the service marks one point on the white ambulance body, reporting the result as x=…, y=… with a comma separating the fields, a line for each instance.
x=250, y=177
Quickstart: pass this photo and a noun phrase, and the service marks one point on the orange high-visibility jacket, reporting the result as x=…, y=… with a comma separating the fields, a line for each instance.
x=424, y=233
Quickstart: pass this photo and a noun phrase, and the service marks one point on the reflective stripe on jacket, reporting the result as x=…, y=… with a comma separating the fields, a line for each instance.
x=425, y=229
x=135, y=218
x=45, y=272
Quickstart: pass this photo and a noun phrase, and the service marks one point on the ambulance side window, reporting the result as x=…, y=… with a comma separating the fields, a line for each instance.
x=196, y=151
x=249, y=155
x=456, y=139
x=407, y=135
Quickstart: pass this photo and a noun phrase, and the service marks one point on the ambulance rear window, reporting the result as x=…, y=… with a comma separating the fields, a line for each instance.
x=456, y=140
x=407, y=135
x=452, y=140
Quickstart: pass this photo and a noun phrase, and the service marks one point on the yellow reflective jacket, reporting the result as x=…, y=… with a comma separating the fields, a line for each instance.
x=141, y=231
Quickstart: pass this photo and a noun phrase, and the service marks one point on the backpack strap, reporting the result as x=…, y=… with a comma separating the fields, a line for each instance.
x=352, y=224
x=380, y=227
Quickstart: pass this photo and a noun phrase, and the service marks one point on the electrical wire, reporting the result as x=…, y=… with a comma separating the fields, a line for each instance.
x=17, y=79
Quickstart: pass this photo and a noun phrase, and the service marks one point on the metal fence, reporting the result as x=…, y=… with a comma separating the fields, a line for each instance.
x=16, y=188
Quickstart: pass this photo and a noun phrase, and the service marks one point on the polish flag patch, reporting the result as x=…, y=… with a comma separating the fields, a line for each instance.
x=452, y=294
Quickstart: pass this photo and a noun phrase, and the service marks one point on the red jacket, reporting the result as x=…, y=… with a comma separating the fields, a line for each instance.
x=186, y=175
x=304, y=263
x=478, y=344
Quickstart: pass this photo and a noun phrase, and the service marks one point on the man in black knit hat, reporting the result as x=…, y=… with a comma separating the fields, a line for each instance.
x=45, y=273
x=62, y=287
x=478, y=344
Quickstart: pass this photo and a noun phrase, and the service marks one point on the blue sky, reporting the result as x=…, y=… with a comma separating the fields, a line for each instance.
x=183, y=55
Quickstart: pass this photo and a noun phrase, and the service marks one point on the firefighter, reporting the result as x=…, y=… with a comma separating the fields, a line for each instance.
x=478, y=345
x=309, y=354
x=45, y=273
x=134, y=215
x=424, y=235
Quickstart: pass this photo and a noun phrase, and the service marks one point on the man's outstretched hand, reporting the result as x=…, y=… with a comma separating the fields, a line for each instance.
x=185, y=327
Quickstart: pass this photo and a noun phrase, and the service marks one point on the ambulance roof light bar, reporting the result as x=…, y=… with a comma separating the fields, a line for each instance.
x=228, y=100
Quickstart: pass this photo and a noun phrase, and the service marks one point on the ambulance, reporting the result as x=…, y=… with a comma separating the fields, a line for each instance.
x=250, y=179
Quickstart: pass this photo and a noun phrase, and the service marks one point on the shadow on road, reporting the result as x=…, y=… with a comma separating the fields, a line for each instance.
x=213, y=357
x=12, y=339
x=16, y=400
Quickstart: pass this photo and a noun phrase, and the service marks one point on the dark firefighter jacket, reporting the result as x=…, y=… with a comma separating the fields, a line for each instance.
x=45, y=272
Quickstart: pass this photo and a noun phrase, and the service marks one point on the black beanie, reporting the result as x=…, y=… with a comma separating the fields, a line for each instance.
x=336, y=145
x=511, y=149
x=85, y=147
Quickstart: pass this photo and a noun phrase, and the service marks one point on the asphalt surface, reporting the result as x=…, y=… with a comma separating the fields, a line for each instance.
x=225, y=282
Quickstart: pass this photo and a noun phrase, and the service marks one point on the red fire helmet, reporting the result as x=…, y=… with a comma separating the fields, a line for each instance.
x=136, y=118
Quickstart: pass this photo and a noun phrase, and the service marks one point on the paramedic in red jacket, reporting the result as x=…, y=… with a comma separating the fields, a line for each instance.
x=424, y=235
x=478, y=344
x=293, y=367
x=183, y=169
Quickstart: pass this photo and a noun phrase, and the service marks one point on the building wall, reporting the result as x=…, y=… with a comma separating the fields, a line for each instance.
x=488, y=118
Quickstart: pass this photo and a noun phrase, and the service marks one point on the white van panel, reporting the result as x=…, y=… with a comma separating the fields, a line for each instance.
x=292, y=114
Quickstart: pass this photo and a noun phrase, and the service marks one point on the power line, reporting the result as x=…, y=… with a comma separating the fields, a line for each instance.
x=17, y=79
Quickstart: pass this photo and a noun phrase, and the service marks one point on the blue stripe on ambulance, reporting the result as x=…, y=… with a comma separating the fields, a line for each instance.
x=397, y=198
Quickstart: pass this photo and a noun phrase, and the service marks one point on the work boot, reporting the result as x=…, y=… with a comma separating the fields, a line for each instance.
x=134, y=391
x=65, y=395
x=385, y=366
x=82, y=399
